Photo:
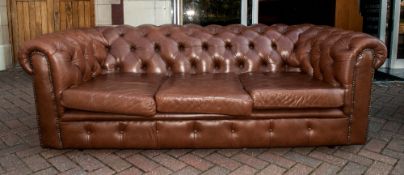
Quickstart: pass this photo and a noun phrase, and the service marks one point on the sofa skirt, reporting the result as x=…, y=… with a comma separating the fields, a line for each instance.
x=224, y=133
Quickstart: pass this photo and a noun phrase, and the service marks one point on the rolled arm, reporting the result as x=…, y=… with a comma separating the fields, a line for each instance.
x=344, y=59
x=58, y=61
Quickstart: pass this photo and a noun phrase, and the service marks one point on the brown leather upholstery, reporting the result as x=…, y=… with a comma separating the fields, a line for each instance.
x=290, y=90
x=205, y=133
x=77, y=115
x=204, y=93
x=121, y=93
x=337, y=61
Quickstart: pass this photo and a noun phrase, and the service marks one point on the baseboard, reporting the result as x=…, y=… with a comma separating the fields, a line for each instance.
x=6, y=58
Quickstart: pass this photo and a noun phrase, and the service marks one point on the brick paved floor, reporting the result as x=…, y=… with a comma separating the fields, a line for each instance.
x=20, y=153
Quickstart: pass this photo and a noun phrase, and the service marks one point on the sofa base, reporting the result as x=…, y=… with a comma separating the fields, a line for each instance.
x=228, y=133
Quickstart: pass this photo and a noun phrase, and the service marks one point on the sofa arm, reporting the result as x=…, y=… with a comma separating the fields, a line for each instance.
x=58, y=61
x=345, y=59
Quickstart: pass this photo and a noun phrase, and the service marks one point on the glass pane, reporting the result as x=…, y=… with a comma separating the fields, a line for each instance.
x=205, y=12
x=296, y=12
x=155, y=12
x=400, y=52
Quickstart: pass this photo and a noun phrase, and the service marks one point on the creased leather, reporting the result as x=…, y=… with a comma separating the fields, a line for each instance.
x=290, y=90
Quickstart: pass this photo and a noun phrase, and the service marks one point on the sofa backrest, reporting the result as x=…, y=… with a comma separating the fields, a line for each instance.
x=194, y=49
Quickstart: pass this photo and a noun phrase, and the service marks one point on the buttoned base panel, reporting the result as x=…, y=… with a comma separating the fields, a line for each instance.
x=232, y=133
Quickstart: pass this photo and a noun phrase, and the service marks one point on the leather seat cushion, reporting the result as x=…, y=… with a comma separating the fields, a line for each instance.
x=204, y=93
x=290, y=90
x=121, y=93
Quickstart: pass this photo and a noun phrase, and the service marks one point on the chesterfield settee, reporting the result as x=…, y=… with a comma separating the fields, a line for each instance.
x=202, y=87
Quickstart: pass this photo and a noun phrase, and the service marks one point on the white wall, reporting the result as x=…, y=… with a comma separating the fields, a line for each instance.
x=5, y=48
x=138, y=12
x=103, y=11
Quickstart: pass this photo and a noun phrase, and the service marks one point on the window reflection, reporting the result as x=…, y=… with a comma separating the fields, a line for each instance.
x=205, y=12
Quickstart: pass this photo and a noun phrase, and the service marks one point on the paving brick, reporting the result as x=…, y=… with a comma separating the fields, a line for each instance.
x=126, y=153
x=13, y=149
x=244, y=170
x=48, y=153
x=169, y=162
x=351, y=148
x=113, y=161
x=253, y=152
x=353, y=157
x=303, y=150
x=151, y=153
x=29, y=152
x=203, y=152
x=379, y=168
x=11, y=139
x=393, y=154
x=102, y=171
x=392, y=126
x=216, y=171
x=159, y=171
x=62, y=163
x=303, y=159
x=76, y=171
x=378, y=157
x=353, y=169
x=36, y=162
x=327, y=150
x=279, y=151
x=178, y=152
x=399, y=168
x=11, y=162
x=276, y=159
x=142, y=162
x=228, y=152
x=187, y=171
x=328, y=158
x=196, y=162
x=250, y=160
x=85, y=161
x=326, y=169
x=272, y=169
x=396, y=145
x=48, y=171
x=130, y=171
x=375, y=145
x=223, y=161
x=299, y=169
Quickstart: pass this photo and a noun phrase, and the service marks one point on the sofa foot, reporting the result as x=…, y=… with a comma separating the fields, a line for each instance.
x=332, y=146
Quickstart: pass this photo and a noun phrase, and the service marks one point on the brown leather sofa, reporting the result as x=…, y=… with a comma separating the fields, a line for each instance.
x=202, y=87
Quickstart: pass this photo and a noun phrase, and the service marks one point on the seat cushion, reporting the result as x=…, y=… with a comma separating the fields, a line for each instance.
x=204, y=93
x=290, y=90
x=121, y=93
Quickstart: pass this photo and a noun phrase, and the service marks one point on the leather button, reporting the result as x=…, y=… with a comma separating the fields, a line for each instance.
x=133, y=48
x=195, y=131
x=251, y=45
x=228, y=45
x=205, y=46
x=233, y=131
x=181, y=47
x=157, y=48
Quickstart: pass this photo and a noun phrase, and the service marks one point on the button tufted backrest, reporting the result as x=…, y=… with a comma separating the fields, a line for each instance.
x=195, y=49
